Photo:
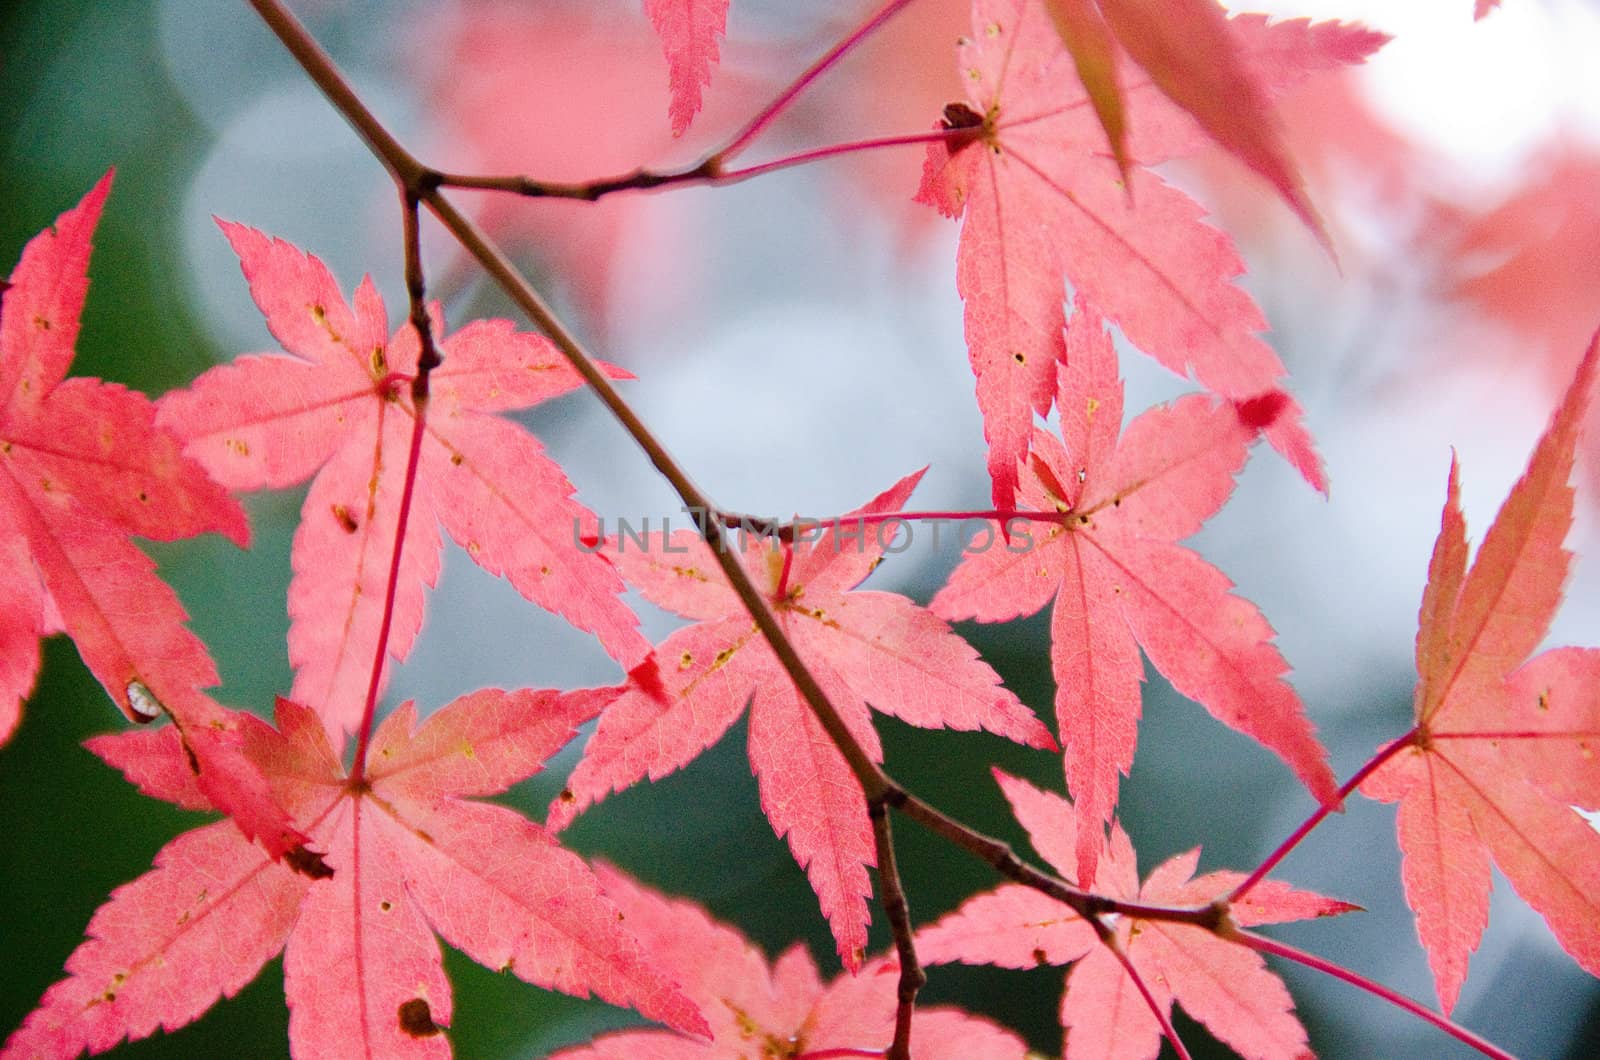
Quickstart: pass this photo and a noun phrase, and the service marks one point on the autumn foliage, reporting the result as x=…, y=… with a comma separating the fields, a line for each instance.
x=352, y=843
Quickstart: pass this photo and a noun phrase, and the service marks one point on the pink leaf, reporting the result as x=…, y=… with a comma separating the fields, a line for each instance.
x=1045, y=206
x=782, y=1007
x=340, y=408
x=864, y=648
x=1107, y=551
x=689, y=31
x=1501, y=755
x=402, y=856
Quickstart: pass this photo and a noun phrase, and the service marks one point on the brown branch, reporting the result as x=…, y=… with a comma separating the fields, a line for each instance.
x=422, y=182
x=898, y=911
x=1004, y=860
x=708, y=172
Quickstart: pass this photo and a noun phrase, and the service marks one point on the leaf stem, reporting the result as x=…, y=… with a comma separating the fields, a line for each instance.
x=785, y=531
x=428, y=359
x=1264, y=944
x=1382, y=755
x=770, y=112
x=1108, y=938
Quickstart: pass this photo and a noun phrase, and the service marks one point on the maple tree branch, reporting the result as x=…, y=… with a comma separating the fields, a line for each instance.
x=898, y=911
x=1004, y=860
x=1108, y=939
x=703, y=173
x=1321, y=813
x=420, y=181
x=422, y=185
x=1263, y=944
x=770, y=112
x=318, y=66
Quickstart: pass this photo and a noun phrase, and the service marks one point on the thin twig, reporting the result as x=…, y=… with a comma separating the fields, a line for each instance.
x=703, y=173
x=770, y=112
x=1318, y=815
x=1282, y=949
x=898, y=911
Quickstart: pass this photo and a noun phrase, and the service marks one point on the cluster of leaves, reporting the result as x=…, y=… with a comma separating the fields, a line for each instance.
x=351, y=870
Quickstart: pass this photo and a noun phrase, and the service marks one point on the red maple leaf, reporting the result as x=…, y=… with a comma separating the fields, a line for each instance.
x=1120, y=581
x=1043, y=203
x=1503, y=748
x=407, y=857
x=1222, y=984
x=83, y=464
x=689, y=31
x=1195, y=58
x=340, y=407
x=777, y=1010
x=863, y=647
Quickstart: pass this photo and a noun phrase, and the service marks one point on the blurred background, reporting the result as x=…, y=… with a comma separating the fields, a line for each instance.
x=798, y=345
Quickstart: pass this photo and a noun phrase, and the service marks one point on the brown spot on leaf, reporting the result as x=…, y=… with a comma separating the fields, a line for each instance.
x=456, y=459
x=1040, y=956
x=308, y=863
x=380, y=362
x=386, y=905
x=416, y=1019
x=567, y=795
x=1019, y=357
x=960, y=116
x=347, y=521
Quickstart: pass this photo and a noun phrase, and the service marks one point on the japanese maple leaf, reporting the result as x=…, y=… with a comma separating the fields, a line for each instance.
x=1044, y=204
x=83, y=464
x=1193, y=56
x=863, y=648
x=1222, y=984
x=339, y=406
x=1119, y=580
x=407, y=857
x=1503, y=748
x=777, y=1010
x=689, y=31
